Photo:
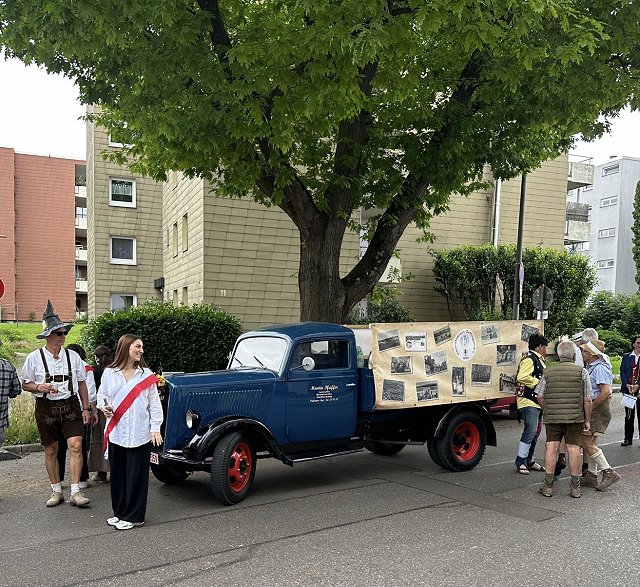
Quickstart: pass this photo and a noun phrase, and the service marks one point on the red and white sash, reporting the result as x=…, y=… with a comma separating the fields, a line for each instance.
x=125, y=404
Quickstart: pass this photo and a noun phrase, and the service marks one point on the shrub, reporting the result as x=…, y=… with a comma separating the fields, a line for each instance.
x=615, y=343
x=383, y=306
x=22, y=425
x=176, y=338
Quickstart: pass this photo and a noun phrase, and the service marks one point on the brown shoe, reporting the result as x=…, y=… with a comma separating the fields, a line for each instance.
x=589, y=480
x=55, y=499
x=546, y=488
x=609, y=477
x=576, y=491
x=79, y=499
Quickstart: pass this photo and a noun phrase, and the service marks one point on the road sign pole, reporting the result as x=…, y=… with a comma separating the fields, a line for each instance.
x=517, y=284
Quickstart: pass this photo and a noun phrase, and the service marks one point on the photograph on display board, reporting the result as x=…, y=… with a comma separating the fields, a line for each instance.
x=490, y=333
x=393, y=390
x=457, y=382
x=390, y=339
x=435, y=363
x=527, y=331
x=506, y=354
x=426, y=390
x=442, y=335
x=415, y=341
x=401, y=365
x=507, y=383
x=464, y=345
x=480, y=374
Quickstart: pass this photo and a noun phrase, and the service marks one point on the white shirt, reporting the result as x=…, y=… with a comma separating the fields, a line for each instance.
x=33, y=371
x=143, y=417
x=91, y=382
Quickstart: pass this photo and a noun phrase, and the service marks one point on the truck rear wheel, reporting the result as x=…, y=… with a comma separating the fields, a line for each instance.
x=168, y=476
x=386, y=449
x=233, y=468
x=463, y=444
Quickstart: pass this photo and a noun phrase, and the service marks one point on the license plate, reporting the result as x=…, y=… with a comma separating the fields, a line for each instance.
x=154, y=458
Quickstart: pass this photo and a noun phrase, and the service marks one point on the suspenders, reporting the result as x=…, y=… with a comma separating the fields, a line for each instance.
x=49, y=378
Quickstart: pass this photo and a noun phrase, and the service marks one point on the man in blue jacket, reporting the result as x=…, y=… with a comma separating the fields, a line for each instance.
x=629, y=377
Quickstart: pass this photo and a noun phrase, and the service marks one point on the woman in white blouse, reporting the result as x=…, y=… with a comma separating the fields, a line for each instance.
x=128, y=396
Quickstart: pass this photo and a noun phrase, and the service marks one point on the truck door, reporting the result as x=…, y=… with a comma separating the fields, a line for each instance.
x=321, y=402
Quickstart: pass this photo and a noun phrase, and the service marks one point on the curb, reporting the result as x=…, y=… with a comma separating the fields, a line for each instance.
x=22, y=449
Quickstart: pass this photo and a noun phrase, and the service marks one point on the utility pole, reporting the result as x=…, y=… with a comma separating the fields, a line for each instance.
x=519, y=273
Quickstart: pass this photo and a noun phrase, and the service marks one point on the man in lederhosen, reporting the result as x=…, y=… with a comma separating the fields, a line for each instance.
x=56, y=377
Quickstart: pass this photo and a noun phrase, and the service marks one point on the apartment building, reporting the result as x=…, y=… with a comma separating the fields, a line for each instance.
x=609, y=200
x=42, y=236
x=184, y=245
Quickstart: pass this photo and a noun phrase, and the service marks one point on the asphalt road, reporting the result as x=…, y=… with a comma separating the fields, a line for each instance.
x=356, y=520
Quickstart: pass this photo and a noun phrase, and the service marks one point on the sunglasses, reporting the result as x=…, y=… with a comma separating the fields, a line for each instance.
x=60, y=332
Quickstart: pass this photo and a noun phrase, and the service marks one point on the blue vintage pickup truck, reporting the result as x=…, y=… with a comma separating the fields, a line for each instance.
x=295, y=393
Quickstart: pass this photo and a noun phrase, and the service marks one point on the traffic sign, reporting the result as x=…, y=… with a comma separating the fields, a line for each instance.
x=542, y=298
x=1, y=288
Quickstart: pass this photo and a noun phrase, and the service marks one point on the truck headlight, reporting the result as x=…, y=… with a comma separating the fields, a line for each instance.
x=193, y=419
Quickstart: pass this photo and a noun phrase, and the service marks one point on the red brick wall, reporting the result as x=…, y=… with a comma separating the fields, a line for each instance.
x=7, y=239
x=45, y=235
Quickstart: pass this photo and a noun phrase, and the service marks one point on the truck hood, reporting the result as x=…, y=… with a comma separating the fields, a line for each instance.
x=215, y=395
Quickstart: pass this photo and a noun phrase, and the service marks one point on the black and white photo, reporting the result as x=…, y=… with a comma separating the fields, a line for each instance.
x=442, y=335
x=507, y=383
x=480, y=374
x=415, y=341
x=527, y=331
x=490, y=333
x=389, y=339
x=393, y=390
x=506, y=354
x=401, y=364
x=435, y=363
x=457, y=382
x=426, y=390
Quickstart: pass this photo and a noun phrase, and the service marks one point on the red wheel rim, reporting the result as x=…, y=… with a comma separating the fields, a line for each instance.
x=239, y=467
x=466, y=441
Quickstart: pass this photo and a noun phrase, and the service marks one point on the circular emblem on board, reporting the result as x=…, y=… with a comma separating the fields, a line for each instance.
x=465, y=345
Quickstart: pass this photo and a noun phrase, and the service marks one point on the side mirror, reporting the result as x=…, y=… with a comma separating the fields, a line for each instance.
x=308, y=364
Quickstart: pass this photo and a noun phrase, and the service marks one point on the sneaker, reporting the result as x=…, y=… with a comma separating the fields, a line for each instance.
x=589, y=480
x=79, y=499
x=609, y=477
x=546, y=488
x=84, y=484
x=576, y=491
x=113, y=521
x=99, y=477
x=626, y=443
x=55, y=499
x=124, y=525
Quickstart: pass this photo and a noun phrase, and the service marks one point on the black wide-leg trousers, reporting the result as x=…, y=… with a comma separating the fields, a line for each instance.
x=129, y=481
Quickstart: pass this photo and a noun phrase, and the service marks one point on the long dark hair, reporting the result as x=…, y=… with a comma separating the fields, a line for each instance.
x=78, y=349
x=103, y=355
x=122, y=352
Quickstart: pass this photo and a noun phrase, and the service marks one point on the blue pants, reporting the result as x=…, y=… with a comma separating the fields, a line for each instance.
x=532, y=418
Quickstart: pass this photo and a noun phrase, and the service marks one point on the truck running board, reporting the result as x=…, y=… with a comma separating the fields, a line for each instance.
x=308, y=457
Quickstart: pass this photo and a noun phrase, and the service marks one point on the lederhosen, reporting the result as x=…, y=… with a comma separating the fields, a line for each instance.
x=61, y=408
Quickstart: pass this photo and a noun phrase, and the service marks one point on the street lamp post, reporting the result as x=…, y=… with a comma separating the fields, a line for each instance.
x=519, y=273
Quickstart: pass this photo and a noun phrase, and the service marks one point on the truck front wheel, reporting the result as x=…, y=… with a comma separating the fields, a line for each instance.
x=233, y=468
x=463, y=443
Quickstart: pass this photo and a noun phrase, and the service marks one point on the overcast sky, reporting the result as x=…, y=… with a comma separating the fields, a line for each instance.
x=40, y=114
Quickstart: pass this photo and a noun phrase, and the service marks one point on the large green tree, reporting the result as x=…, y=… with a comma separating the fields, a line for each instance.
x=324, y=107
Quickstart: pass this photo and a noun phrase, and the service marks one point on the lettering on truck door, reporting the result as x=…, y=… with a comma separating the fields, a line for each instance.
x=321, y=402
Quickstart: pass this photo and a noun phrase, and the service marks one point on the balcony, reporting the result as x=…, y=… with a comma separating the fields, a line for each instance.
x=81, y=255
x=81, y=191
x=577, y=226
x=81, y=222
x=81, y=285
x=580, y=175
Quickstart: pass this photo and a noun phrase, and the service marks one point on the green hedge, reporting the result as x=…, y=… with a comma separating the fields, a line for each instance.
x=176, y=338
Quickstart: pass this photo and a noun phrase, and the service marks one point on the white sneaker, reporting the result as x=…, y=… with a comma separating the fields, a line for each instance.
x=124, y=525
x=113, y=521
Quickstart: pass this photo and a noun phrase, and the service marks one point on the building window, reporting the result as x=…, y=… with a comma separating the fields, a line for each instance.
x=185, y=232
x=185, y=296
x=611, y=169
x=122, y=192
x=606, y=232
x=612, y=201
x=175, y=239
x=605, y=264
x=123, y=301
x=123, y=250
x=175, y=297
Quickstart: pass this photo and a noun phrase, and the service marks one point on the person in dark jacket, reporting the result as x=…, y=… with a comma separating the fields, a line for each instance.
x=629, y=379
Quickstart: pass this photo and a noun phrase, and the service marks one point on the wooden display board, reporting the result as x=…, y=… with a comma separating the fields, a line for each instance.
x=425, y=363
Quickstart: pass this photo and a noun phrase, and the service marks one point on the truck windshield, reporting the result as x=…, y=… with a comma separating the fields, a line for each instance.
x=262, y=352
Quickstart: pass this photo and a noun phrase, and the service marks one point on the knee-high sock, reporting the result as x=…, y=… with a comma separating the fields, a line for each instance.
x=600, y=460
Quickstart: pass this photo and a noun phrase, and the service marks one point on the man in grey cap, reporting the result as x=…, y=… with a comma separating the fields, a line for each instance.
x=9, y=388
x=56, y=377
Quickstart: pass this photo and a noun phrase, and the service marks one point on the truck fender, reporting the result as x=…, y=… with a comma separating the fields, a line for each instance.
x=209, y=439
x=477, y=409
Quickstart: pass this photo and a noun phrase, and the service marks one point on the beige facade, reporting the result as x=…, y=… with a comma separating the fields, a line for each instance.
x=124, y=231
x=243, y=257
